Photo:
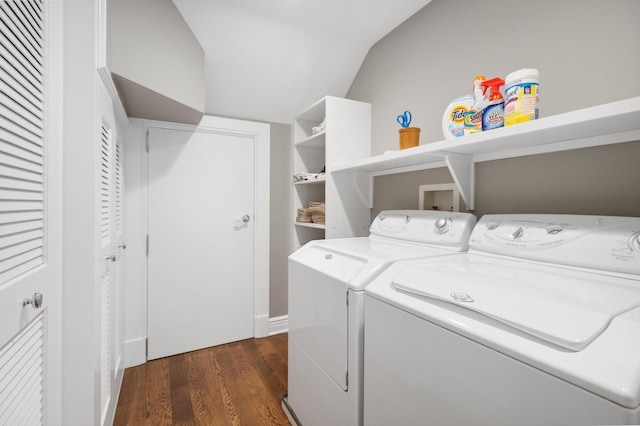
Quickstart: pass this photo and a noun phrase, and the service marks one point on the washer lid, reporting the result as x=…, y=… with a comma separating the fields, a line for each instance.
x=569, y=311
x=361, y=259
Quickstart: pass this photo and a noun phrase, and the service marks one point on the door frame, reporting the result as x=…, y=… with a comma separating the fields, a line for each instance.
x=260, y=133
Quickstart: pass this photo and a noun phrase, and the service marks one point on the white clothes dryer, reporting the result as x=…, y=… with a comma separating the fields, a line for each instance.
x=538, y=323
x=326, y=301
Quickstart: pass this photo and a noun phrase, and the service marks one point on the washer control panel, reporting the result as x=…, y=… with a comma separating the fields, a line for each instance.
x=450, y=229
x=597, y=242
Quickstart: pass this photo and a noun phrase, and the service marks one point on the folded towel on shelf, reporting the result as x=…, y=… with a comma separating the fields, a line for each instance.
x=317, y=210
x=304, y=216
x=317, y=218
x=315, y=213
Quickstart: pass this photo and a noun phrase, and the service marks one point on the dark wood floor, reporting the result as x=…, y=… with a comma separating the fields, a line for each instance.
x=239, y=383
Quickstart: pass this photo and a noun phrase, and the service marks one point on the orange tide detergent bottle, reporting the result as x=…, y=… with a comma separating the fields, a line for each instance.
x=493, y=114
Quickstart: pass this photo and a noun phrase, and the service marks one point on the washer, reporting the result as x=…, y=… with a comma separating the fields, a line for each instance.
x=326, y=300
x=539, y=323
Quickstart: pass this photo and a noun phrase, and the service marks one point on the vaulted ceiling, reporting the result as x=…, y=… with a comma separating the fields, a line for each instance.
x=268, y=59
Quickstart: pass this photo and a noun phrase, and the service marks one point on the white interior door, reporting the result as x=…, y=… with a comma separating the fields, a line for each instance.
x=29, y=219
x=200, y=249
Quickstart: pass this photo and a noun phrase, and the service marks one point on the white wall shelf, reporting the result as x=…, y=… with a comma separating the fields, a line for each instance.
x=615, y=122
x=313, y=141
x=320, y=181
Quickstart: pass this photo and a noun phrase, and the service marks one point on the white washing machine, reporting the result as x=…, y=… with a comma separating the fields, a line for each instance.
x=539, y=323
x=326, y=300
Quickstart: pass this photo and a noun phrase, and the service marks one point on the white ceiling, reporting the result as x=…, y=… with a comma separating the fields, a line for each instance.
x=269, y=59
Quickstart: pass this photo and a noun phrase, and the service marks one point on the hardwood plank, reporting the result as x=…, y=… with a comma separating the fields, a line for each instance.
x=275, y=354
x=256, y=400
x=181, y=409
x=157, y=404
x=207, y=406
x=271, y=390
x=147, y=401
x=268, y=366
x=127, y=406
x=240, y=383
x=221, y=388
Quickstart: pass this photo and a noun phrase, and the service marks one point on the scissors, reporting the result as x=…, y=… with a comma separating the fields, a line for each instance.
x=404, y=119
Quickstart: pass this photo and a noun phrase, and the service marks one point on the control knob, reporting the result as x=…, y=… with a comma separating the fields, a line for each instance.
x=517, y=233
x=492, y=225
x=554, y=229
x=634, y=242
x=442, y=225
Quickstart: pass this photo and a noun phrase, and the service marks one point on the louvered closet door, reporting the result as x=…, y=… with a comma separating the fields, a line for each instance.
x=108, y=222
x=27, y=233
x=109, y=234
x=118, y=277
x=105, y=230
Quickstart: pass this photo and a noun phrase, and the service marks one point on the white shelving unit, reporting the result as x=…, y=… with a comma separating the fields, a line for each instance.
x=611, y=123
x=347, y=137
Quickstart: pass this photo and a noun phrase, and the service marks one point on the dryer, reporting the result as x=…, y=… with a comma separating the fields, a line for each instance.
x=539, y=323
x=326, y=302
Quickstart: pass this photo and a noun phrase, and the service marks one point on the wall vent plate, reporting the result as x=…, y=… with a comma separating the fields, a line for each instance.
x=444, y=197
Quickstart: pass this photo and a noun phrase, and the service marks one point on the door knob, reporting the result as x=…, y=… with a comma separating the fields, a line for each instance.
x=111, y=257
x=35, y=301
x=244, y=219
x=123, y=246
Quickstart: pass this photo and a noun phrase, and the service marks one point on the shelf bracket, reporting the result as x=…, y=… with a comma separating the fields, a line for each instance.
x=462, y=169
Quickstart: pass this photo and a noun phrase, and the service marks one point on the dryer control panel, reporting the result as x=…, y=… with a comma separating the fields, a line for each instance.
x=425, y=226
x=608, y=243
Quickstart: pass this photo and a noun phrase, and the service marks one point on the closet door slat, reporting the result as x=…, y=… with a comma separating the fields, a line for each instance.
x=21, y=373
x=117, y=202
x=19, y=120
x=16, y=87
x=22, y=153
x=105, y=186
x=18, y=35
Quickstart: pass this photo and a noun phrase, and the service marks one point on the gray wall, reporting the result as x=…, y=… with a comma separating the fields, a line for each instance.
x=602, y=180
x=281, y=219
x=156, y=61
x=587, y=54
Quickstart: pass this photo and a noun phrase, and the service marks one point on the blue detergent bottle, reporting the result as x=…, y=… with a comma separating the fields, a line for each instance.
x=493, y=114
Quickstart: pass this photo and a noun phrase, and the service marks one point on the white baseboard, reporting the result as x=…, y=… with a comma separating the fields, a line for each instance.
x=135, y=352
x=278, y=325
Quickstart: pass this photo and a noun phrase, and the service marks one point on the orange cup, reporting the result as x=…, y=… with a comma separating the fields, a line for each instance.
x=409, y=137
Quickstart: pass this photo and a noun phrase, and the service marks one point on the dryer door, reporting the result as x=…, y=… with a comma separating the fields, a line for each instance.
x=318, y=307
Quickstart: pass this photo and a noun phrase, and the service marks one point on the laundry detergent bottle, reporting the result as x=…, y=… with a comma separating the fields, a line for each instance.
x=454, y=115
x=473, y=117
x=493, y=114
